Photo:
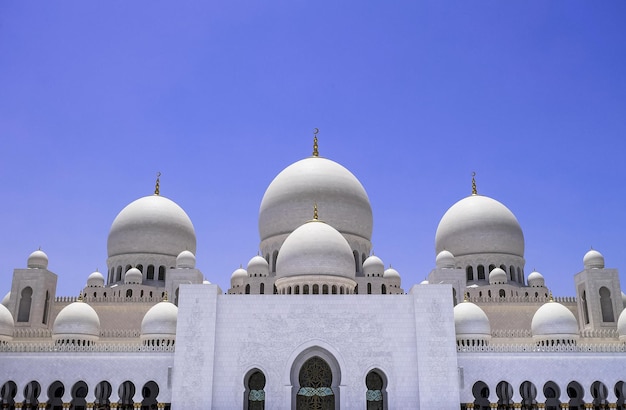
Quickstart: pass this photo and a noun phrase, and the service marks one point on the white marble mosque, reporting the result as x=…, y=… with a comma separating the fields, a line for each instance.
x=315, y=320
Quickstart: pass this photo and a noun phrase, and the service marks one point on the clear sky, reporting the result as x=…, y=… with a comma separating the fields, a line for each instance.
x=220, y=96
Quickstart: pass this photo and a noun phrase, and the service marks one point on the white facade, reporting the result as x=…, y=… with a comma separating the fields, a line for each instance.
x=315, y=320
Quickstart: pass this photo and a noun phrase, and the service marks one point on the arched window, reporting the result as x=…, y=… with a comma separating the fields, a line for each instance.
x=325, y=289
x=316, y=289
x=255, y=393
x=552, y=393
x=7, y=394
x=111, y=275
x=585, y=308
x=262, y=288
x=129, y=293
x=529, y=393
x=606, y=305
x=161, y=272
x=119, y=274
x=79, y=392
x=491, y=267
x=599, y=392
x=126, y=393
x=575, y=393
x=481, y=272
x=26, y=299
x=150, y=274
x=46, y=308
x=383, y=289
x=375, y=395
x=356, y=261
x=315, y=390
x=248, y=289
x=55, y=396
x=469, y=271
x=334, y=289
x=31, y=396
x=502, y=293
x=305, y=289
x=297, y=290
x=481, y=395
x=504, y=391
x=341, y=290
x=150, y=391
x=369, y=288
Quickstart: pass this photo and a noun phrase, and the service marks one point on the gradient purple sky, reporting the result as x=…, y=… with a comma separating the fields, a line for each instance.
x=220, y=96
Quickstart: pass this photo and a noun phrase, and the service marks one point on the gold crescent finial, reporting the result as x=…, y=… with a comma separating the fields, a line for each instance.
x=80, y=297
x=165, y=297
x=315, y=147
x=466, y=297
x=551, y=297
x=474, y=191
x=156, y=188
x=315, y=215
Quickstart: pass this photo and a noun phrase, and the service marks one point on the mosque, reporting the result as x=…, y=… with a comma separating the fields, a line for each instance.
x=315, y=320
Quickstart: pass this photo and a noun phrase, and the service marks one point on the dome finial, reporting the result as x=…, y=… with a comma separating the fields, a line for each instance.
x=315, y=215
x=551, y=297
x=156, y=188
x=466, y=297
x=165, y=297
x=80, y=297
x=474, y=191
x=315, y=147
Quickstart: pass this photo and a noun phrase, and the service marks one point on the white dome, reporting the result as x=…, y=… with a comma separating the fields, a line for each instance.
x=536, y=280
x=340, y=197
x=471, y=322
x=206, y=282
x=373, y=266
x=554, y=321
x=424, y=282
x=391, y=273
x=479, y=224
x=154, y=225
x=258, y=266
x=621, y=326
x=95, y=280
x=160, y=321
x=445, y=260
x=37, y=260
x=77, y=320
x=133, y=276
x=497, y=277
x=6, y=298
x=6, y=324
x=238, y=277
x=315, y=248
x=593, y=260
x=186, y=260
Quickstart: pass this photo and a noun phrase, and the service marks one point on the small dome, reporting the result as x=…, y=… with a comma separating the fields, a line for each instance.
x=471, y=322
x=37, y=260
x=133, y=277
x=95, y=280
x=76, y=321
x=479, y=224
x=593, y=260
x=315, y=248
x=373, y=266
x=621, y=326
x=6, y=298
x=153, y=225
x=258, y=266
x=497, y=277
x=445, y=260
x=6, y=324
x=238, y=277
x=424, y=282
x=553, y=321
x=536, y=280
x=160, y=321
x=186, y=260
x=391, y=273
x=206, y=282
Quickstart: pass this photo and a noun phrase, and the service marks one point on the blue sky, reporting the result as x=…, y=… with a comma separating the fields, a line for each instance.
x=411, y=96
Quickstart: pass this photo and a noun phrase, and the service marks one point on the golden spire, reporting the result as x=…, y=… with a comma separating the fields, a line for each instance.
x=551, y=298
x=466, y=297
x=165, y=297
x=315, y=215
x=474, y=191
x=315, y=147
x=80, y=297
x=156, y=188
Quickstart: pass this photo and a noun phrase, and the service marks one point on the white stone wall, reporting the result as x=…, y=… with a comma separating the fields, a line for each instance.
x=409, y=338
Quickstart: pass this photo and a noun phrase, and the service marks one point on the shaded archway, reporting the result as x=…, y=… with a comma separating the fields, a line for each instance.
x=480, y=390
x=376, y=396
x=575, y=393
x=150, y=392
x=255, y=390
x=620, y=393
x=26, y=299
x=55, y=396
x=552, y=393
x=7, y=395
x=31, y=395
x=315, y=386
x=79, y=392
x=126, y=392
x=599, y=392
x=103, y=393
x=504, y=391
x=528, y=391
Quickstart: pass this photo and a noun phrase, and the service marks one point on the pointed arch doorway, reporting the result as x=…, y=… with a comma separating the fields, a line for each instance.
x=315, y=390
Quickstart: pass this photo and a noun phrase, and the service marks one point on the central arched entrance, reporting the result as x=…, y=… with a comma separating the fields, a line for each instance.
x=315, y=389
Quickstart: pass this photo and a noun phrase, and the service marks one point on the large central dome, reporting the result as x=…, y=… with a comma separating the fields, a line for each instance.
x=339, y=195
x=479, y=224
